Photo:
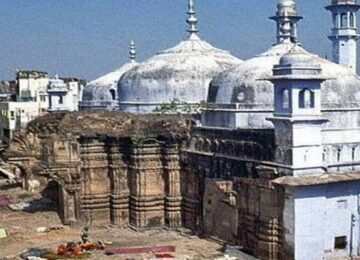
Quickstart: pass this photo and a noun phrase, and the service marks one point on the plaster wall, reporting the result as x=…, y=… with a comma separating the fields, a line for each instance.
x=321, y=213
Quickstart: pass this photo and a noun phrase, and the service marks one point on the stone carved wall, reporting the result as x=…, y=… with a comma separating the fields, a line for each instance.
x=164, y=178
x=130, y=178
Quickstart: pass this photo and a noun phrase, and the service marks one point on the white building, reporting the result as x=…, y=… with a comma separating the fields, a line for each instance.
x=314, y=106
x=344, y=32
x=32, y=86
x=15, y=115
x=64, y=94
x=36, y=95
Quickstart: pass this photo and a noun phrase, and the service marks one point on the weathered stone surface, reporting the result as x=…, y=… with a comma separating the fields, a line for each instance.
x=109, y=167
x=153, y=171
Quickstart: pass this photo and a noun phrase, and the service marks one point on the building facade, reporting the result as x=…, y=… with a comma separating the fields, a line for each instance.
x=274, y=166
x=64, y=94
x=34, y=94
x=344, y=32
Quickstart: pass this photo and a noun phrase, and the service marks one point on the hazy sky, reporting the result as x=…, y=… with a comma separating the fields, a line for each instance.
x=87, y=38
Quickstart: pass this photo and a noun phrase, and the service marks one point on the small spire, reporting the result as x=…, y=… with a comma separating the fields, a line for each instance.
x=192, y=20
x=132, y=51
x=286, y=18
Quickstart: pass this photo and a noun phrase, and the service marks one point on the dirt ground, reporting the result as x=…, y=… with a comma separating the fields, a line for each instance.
x=21, y=234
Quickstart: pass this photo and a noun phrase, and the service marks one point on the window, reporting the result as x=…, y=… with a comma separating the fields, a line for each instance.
x=340, y=242
x=335, y=20
x=353, y=153
x=6, y=133
x=61, y=101
x=342, y=204
x=343, y=20
x=324, y=155
x=42, y=98
x=338, y=155
x=241, y=96
x=285, y=98
x=306, y=98
x=352, y=20
x=12, y=115
x=113, y=94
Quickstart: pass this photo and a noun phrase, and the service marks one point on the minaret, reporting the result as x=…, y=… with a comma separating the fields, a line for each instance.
x=297, y=117
x=132, y=52
x=344, y=32
x=192, y=20
x=286, y=19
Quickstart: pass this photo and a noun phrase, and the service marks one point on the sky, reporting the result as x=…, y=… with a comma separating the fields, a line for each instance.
x=88, y=38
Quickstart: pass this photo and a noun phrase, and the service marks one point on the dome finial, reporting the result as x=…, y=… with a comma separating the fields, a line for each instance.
x=286, y=18
x=132, y=51
x=192, y=20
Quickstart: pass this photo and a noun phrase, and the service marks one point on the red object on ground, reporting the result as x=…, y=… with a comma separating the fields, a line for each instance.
x=61, y=250
x=164, y=255
x=4, y=201
x=140, y=250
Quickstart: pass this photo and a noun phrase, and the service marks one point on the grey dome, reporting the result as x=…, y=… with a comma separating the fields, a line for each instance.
x=182, y=72
x=99, y=89
x=102, y=92
x=295, y=59
x=245, y=84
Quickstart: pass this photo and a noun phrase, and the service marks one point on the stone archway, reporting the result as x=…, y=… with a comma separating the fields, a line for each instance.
x=68, y=201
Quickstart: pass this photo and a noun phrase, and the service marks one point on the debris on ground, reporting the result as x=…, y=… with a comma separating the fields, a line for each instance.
x=21, y=232
x=32, y=205
x=3, y=233
x=55, y=256
x=140, y=250
x=234, y=252
x=164, y=256
x=41, y=229
x=36, y=258
x=33, y=252
x=4, y=201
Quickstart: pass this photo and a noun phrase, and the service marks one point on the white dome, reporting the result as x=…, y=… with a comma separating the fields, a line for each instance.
x=245, y=84
x=103, y=88
x=182, y=72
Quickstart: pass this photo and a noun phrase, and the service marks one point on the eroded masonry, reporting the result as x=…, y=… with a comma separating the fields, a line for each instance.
x=154, y=171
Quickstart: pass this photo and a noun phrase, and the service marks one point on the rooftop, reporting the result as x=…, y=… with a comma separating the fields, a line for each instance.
x=317, y=179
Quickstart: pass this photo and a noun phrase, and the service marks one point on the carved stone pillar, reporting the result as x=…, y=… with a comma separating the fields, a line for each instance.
x=119, y=198
x=172, y=186
x=190, y=202
x=147, y=185
x=69, y=197
x=260, y=228
x=96, y=183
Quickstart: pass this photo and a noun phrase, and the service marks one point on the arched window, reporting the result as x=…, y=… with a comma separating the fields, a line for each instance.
x=343, y=20
x=285, y=98
x=353, y=153
x=306, y=98
x=113, y=94
x=335, y=20
x=338, y=154
x=352, y=20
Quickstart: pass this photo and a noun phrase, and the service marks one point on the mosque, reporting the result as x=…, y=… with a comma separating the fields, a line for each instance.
x=273, y=164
